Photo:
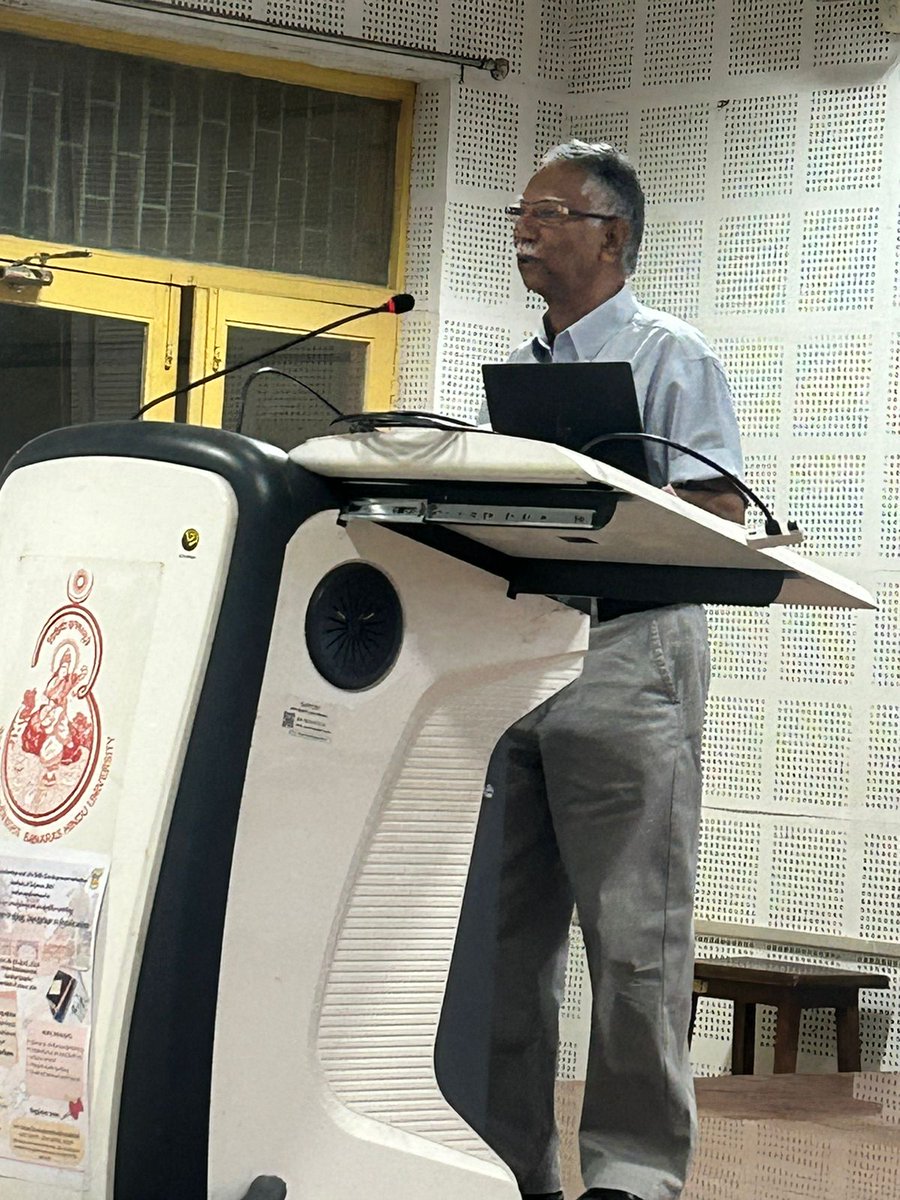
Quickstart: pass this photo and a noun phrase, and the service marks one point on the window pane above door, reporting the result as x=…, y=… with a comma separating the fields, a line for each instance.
x=120, y=152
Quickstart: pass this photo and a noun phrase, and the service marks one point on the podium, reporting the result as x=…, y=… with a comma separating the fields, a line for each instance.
x=246, y=705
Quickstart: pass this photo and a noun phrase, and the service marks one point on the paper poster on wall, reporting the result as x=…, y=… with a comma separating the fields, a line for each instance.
x=49, y=911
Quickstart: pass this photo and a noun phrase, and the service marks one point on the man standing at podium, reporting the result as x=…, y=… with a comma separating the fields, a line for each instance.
x=603, y=780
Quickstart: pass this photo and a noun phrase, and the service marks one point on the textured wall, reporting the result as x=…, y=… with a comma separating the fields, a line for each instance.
x=762, y=135
x=476, y=142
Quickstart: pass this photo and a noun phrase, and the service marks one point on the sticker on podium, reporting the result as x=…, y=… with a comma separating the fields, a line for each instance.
x=311, y=722
x=70, y=681
x=49, y=911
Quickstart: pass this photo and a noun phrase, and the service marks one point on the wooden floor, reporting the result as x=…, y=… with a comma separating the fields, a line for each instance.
x=780, y=1137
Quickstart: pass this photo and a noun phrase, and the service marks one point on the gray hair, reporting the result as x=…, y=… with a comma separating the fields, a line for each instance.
x=605, y=165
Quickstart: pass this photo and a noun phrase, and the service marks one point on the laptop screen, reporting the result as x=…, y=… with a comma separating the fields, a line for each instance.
x=568, y=404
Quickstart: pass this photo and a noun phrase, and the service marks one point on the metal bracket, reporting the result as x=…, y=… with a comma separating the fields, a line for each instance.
x=32, y=271
x=392, y=509
x=21, y=275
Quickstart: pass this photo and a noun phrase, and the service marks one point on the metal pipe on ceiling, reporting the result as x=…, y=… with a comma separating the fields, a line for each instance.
x=498, y=67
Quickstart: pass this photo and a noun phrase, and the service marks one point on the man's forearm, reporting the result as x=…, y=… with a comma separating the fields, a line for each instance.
x=728, y=504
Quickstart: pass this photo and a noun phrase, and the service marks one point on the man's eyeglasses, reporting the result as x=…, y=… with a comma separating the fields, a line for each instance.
x=551, y=212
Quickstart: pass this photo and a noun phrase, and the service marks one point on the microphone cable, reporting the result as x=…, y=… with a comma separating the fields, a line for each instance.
x=407, y=418
x=772, y=524
x=245, y=389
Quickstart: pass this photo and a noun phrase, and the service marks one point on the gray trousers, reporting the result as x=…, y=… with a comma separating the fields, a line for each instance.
x=602, y=809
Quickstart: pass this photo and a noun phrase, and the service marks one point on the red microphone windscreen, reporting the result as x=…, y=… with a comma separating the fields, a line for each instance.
x=401, y=303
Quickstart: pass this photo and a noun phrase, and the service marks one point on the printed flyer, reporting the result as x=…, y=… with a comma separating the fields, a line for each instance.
x=49, y=911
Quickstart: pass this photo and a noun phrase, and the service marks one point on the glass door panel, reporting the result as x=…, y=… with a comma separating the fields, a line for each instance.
x=294, y=395
x=62, y=368
x=83, y=348
x=347, y=370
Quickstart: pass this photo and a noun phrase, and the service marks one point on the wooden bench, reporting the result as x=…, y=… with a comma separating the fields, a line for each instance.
x=790, y=988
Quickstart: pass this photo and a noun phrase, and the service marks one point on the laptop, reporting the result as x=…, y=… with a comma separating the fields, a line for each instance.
x=568, y=404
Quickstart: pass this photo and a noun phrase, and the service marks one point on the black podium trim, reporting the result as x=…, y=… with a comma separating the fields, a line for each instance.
x=163, y=1130
x=645, y=583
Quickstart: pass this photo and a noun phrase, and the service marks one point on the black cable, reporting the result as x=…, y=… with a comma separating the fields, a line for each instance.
x=366, y=422
x=245, y=388
x=773, y=526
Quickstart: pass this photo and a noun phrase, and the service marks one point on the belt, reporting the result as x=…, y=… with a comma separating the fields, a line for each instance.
x=599, y=609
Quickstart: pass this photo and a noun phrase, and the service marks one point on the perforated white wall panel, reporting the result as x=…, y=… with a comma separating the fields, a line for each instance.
x=751, y=47
x=553, y=45
x=752, y=263
x=668, y=177
x=404, y=22
x=832, y=389
x=755, y=367
x=849, y=32
x=464, y=346
x=669, y=278
x=763, y=131
x=477, y=23
x=729, y=863
x=760, y=135
x=227, y=8
x=326, y=16
x=601, y=46
x=550, y=127
x=426, y=134
x=486, y=140
x=418, y=352
x=601, y=125
x=678, y=46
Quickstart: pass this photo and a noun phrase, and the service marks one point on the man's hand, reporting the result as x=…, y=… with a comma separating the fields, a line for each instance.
x=715, y=496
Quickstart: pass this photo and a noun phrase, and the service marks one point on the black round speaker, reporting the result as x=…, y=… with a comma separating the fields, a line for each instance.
x=354, y=626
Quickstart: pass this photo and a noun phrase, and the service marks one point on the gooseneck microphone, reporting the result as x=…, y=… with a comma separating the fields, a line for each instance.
x=401, y=303
x=398, y=304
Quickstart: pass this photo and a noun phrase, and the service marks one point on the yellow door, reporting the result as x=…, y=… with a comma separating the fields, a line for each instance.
x=85, y=347
x=344, y=371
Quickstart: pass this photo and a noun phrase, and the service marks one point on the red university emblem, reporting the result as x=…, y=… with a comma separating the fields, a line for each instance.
x=51, y=748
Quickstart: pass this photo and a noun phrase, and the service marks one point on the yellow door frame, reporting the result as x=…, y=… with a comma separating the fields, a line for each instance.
x=228, y=308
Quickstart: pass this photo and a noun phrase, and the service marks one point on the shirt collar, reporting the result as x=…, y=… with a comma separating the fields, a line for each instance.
x=590, y=334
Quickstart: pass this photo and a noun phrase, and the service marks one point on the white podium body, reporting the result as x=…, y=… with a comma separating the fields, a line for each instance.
x=260, y=703
x=359, y=825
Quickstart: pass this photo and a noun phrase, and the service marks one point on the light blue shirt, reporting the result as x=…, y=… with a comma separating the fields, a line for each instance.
x=681, y=387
